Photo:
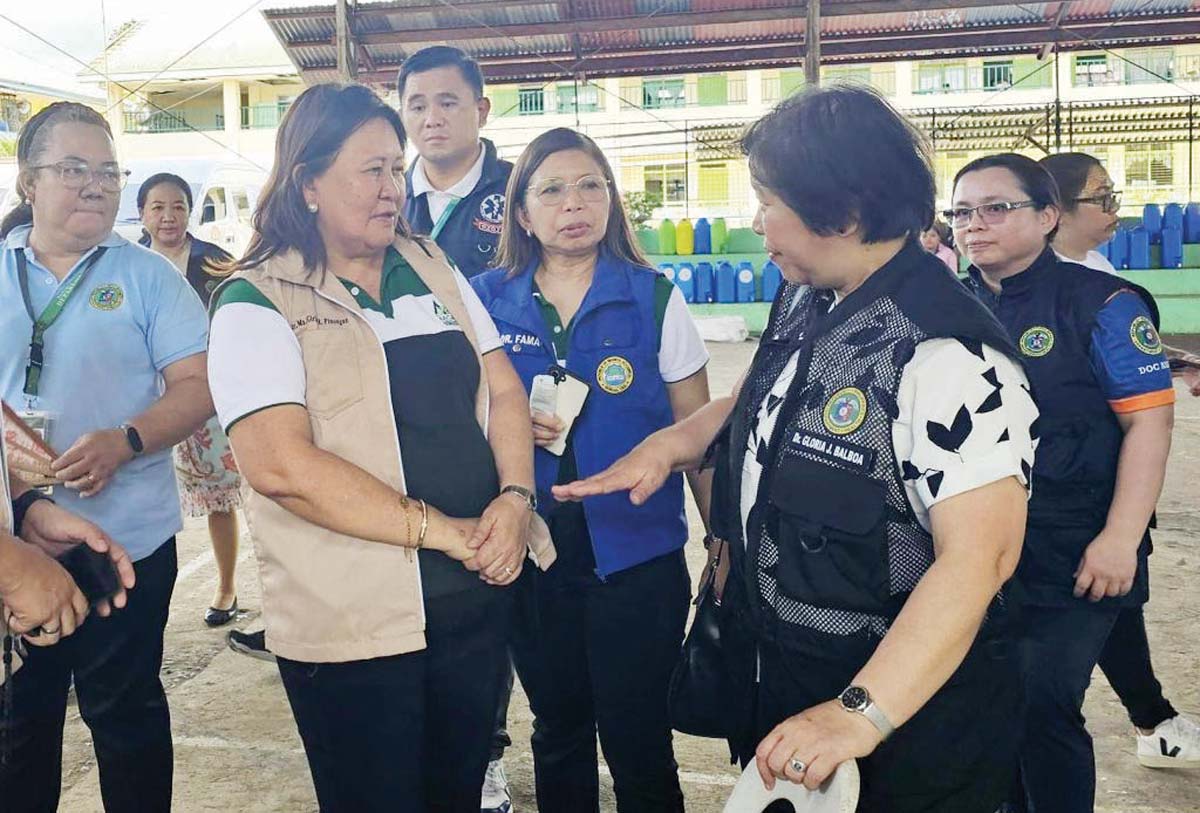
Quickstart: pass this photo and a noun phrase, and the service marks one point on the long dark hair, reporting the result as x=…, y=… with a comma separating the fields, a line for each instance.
x=310, y=136
x=1070, y=171
x=31, y=146
x=518, y=249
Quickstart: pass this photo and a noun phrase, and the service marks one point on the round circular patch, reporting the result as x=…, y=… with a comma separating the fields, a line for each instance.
x=614, y=375
x=1036, y=342
x=491, y=208
x=106, y=297
x=1145, y=337
x=845, y=411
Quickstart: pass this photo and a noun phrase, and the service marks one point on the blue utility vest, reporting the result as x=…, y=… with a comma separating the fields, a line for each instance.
x=1050, y=311
x=614, y=348
x=471, y=232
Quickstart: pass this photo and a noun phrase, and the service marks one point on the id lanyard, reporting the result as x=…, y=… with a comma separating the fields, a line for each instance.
x=441, y=224
x=37, y=343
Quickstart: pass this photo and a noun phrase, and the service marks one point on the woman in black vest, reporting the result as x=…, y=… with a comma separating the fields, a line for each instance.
x=1103, y=387
x=870, y=477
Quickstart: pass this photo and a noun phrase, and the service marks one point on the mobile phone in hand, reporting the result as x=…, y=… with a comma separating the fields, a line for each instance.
x=93, y=571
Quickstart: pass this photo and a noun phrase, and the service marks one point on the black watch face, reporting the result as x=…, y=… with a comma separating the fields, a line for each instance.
x=855, y=698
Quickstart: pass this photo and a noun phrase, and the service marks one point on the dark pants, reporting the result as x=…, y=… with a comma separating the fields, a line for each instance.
x=500, y=738
x=406, y=732
x=958, y=754
x=115, y=664
x=597, y=656
x=1058, y=649
x=1125, y=661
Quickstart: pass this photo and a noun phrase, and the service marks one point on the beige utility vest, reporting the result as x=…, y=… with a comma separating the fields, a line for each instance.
x=328, y=597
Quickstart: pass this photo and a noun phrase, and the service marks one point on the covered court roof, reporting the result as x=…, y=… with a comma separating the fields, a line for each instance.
x=540, y=40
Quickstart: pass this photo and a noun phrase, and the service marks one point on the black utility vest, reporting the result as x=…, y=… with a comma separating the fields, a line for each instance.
x=834, y=546
x=1049, y=311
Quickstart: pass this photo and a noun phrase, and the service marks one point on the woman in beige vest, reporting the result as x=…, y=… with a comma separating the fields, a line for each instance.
x=388, y=450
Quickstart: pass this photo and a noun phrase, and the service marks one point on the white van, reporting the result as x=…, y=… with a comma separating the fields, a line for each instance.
x=225, y=206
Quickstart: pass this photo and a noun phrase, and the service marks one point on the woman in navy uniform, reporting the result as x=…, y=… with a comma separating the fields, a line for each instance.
x=573, y=295
x=1103, y=387
x=870, y=477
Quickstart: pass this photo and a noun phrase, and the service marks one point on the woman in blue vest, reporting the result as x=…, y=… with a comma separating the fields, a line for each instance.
x=1103, y=387
x=869, y=480
x=572, y=295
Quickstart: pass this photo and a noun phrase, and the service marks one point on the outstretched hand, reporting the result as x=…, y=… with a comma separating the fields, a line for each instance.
x=641, y=472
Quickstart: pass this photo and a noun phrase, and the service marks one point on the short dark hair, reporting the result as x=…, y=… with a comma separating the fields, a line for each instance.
x=309, y=139
x=841, y=155
x=1070, y=171
x=518, y=249
x=1035, y=181
x=441, y=56
x=163, y=177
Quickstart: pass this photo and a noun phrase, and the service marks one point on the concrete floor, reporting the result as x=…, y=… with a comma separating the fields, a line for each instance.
x=236, y=747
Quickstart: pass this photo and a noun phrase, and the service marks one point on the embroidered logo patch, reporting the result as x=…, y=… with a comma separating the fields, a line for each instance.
x=1036, y=342
x=614, y=375
x=106, y=297
x=491, y=208
x=444, y=314
x=1145, y=337
x=845, y=411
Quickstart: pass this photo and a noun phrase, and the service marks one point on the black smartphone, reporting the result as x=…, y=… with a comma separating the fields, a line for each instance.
x=93, y=571
x=1183, y=364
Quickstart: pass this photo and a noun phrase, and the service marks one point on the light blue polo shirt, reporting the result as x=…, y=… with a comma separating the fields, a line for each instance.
x=133, y=316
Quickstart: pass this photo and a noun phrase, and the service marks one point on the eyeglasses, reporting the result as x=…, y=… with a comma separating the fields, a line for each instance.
x=992, y=214
x=1109, y=202
x=553, y=191
x=77, y=175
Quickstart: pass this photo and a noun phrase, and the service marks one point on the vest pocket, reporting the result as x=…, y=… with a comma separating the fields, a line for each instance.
x=833, y=549
x=333, y=378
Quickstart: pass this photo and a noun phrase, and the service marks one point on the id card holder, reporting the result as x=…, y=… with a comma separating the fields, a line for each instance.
x=569, y=393
x=37, y=420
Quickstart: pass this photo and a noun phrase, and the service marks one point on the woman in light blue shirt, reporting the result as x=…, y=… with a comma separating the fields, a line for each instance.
x=102, y=345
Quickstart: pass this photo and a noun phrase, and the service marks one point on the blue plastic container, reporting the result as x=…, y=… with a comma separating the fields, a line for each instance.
x=745, y=281
x=667, y=270
x=1139, y=249
x=685, y=278
x=726, y=283
x=1191, y=223
x=702, y=237
x=1118, y=249
x=704, y=282
x=1172, y=244
x=772, y=278
x=1173, y=217
x=1152, y=222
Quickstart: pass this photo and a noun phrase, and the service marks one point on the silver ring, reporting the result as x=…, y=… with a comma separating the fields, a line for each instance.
x=91, y=478
x=508, y=571
x=55, y=631
x=797, y=765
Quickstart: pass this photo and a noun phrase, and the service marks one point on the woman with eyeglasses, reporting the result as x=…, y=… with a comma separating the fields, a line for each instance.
x=573, y=296
x=103, y=349
x=1102, y=383
x=1090, y=203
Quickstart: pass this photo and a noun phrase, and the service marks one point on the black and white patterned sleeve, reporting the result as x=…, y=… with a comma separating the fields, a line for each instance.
x=966, y=419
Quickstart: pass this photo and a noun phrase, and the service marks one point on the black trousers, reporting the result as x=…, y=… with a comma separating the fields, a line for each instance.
x=1125, y=661
x=407, y=732
x=1058, y=648
x=958, y=754
x=115, y=665
x=596, y=656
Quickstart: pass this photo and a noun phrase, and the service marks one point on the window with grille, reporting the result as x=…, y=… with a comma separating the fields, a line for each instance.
x=666, y=183
x=660, y=93
x=586, y=95
x=531, y=101
x=1091, y=69
x=1149, y=165
x=997, y=75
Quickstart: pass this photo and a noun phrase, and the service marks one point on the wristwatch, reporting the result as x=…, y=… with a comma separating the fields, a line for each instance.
x=530, y=497
x=135, y=440
x=858, y=700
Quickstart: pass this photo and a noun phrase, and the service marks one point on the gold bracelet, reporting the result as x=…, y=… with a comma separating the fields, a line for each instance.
x=424, y=524
x=408, y=538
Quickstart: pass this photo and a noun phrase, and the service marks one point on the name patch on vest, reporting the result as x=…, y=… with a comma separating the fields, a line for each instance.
x=324, y=321
x=526, y=339
x=851, y=455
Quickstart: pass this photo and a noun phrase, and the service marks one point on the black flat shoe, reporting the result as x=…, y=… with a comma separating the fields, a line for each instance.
x=219, y=618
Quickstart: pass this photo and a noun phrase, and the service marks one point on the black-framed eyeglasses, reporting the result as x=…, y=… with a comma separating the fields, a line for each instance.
x=1109, y=202
x=991, y=214
x=77, y=175
x=553, y=191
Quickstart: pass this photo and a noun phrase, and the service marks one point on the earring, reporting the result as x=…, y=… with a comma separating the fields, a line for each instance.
x=312, y=207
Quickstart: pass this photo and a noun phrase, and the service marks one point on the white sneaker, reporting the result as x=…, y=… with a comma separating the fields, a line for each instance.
x=1175, y=743
x=495, y=797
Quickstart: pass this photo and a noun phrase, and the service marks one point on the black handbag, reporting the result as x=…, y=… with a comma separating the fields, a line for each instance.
x=698, y=700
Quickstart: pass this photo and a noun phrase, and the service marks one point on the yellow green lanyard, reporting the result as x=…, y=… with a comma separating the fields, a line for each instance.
x=50, y=314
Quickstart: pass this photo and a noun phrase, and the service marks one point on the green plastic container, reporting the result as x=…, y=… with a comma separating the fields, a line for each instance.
x=666, y=237
x=648, y=240
x=720, y=235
